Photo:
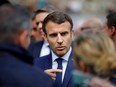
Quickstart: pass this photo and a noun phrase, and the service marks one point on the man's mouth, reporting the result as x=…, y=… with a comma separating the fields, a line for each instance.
x=60, y=48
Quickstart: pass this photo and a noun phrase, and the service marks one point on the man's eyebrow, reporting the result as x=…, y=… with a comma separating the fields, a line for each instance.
x=53, y=34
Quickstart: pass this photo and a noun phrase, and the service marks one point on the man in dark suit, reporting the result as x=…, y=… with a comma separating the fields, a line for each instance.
x=57, y=27
x=16, y=69
x=38, y=47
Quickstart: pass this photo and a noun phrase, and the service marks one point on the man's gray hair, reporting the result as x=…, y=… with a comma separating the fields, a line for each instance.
x=14, y=19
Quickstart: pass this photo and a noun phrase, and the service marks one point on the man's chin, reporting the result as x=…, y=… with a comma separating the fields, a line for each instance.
x=61, y=53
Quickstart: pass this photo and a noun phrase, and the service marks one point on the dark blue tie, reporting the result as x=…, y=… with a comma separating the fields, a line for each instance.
x=58, y=80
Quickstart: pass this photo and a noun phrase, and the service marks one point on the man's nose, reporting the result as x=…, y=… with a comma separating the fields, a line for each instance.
x=39, y=25
x=59, y=39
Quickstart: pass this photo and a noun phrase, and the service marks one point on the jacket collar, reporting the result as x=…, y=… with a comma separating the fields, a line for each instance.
x=16, y=51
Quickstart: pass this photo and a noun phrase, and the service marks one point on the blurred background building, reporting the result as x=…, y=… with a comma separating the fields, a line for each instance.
x=79, y=10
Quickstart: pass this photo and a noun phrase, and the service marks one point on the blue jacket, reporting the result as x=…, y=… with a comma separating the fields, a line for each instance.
x=16, y=69
x=46, y=63
x=35, y=48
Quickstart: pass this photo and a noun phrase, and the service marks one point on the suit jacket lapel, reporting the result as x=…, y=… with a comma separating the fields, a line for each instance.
x=48, y=62
x=39, y=47
x=67, y=76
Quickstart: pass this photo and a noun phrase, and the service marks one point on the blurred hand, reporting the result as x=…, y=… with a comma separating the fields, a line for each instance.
x=52, y=72
x=97, y=82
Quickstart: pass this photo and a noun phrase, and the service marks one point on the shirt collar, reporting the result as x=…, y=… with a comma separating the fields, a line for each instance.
x=65, y=57
x=45, y=44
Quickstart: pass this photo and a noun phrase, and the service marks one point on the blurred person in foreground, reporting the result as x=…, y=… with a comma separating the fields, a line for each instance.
x=95, y=57
x=110, y=26
x=91, y=23
x=16, y=64
x=39, y=47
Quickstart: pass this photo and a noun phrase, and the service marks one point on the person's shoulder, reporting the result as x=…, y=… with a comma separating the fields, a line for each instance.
x=38, y=76
x=43, y=58
x=34, y=48
x=42, y=61
x=39, y=73
x=42, y=79
x=24, y=75
x=36, y=44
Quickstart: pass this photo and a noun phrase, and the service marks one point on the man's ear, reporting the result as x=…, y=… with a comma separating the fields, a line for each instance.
x=112, y=30
x=72, y=34
x=18, y=39
x=21, y=39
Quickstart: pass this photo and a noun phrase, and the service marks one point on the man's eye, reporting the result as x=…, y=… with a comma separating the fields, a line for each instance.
x=64, y=34
x=53, y=35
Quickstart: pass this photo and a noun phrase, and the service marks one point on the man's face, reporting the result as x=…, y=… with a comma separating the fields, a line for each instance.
x=39, y=20
x=59, y=37
x=106, y=30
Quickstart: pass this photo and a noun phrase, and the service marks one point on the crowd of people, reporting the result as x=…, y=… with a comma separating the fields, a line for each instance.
x=41, y=49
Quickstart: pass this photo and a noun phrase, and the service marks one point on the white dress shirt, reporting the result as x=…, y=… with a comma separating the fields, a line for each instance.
x=45, y=50
x=64, y=62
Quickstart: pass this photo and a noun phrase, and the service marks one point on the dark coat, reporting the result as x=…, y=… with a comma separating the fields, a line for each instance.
x=35, y=48
x=16, y=69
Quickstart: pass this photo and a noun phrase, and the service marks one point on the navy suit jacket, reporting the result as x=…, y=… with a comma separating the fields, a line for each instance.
x=35, y=48
x=46, y=63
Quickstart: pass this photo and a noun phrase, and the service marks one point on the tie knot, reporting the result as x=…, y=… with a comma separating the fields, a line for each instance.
x=59, y=60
